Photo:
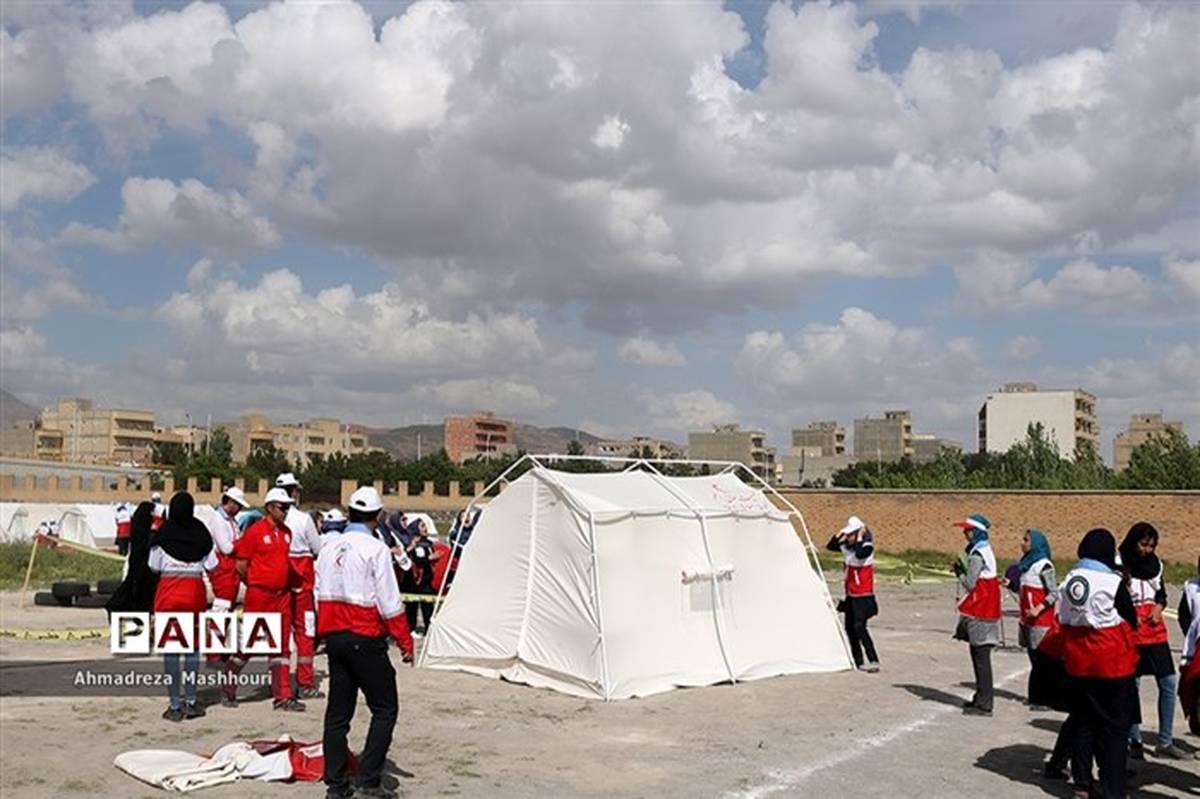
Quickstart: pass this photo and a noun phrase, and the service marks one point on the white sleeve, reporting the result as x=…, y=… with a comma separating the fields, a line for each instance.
x=221, y=533
x=156, y=560
x=311, y=535
x=387, y=592
x=210, y=562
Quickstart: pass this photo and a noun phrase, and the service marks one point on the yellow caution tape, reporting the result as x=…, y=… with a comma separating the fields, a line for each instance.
x=420, y=598
x=55, y=635
x=54, y=542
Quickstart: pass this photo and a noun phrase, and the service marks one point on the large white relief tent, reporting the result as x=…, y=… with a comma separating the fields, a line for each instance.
x=616, y=585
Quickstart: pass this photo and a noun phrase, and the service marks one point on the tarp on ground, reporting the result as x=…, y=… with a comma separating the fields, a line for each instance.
x=621, y=585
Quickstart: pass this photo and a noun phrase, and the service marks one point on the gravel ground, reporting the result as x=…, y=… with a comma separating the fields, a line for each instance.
x=895, y=733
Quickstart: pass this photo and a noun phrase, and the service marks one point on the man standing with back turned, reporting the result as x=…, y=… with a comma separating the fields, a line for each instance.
x=358, y=609
x=305, y=544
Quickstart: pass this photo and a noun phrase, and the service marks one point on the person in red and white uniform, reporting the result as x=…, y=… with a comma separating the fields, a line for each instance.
x=1189, y=666
x=182, y=551
x=262, y=561
x=979, y=610
x=1149, y=593
x=223, y=526
x=1097, y=618
x=358, y=610
x=160, y=512
x=857, y=546
x=124, y=528
x=1037, y=591
x=306, y=543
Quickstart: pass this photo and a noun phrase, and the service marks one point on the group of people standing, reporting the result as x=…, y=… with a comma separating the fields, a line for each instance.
x=1090, y=639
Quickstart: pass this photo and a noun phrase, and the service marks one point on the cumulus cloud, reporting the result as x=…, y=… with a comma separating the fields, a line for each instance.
x=162, y=213
x=1091, y=288
x=1022, y=348
x=644, y=351
x=665, y=178
x=39, y=174
x=683, y=411
x=1183, y=275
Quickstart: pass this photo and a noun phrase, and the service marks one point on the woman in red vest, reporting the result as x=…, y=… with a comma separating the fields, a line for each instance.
x=1097, y=619
x=1149, y=593
x=857, y=546
x=1037, y=591
x=979, y=610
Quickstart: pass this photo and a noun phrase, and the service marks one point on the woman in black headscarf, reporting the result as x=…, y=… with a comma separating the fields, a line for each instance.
x=1149, y=593
x=182, y=552
x=136, y=592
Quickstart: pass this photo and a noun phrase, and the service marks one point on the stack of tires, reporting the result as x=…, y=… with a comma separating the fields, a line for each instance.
x=76, y=594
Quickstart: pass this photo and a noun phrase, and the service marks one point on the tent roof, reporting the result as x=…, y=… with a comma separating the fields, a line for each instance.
x=622, y=493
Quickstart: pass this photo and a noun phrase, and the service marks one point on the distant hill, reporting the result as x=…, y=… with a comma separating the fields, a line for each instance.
x=13, y=410
x=401, y=442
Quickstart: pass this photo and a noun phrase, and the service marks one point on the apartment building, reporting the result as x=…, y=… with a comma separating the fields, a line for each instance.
x=299, y=441
x=637, y=445
x=731, y=443
x=885, y=439
x=478, y=435
x=1067, y=415
x=1142, y=427
x=99, y=435
x=827, y=437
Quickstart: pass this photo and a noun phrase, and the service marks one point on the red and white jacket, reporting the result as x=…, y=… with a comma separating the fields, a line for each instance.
x=305, y=544
x=1145, y=595
x=1097, y=642
x=224, y=577
x=983, y=601
x=858, y=573
x=357, y=591
x=180, y=585
x=1033, y=593
x=124, y=522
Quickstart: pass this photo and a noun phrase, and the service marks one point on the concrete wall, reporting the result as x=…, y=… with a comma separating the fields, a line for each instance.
x=29, y=488
x=903, y=520
x=397, y=496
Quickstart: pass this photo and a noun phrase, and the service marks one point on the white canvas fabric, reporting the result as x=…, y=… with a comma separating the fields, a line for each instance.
x=92, y=525
x=620, y=585
x=14, y=522
x=184, y=772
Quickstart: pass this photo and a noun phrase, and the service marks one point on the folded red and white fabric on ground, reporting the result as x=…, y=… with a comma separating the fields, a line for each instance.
x=280, y=760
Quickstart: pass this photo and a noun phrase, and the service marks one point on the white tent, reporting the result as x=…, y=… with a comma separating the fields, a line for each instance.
x=14, y=522
x=618, y=585
x=89, y=524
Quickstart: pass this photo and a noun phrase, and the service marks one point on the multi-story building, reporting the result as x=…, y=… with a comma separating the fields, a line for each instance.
x=810, y=466
x=730, y=443
x=829, y=437
x=927, y=447
x=637, y=446
x=1142, y=427
x=884, y=440
x=100, y=435
x=1067, y=415
x=479, y=435
x=300, y=441
x=30, y=440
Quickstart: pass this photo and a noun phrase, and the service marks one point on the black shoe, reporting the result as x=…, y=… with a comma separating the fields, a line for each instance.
x=376, y=792
x=292, y=705
x=975, y=710
x=311, y=692
x=1136, y=751
x=343, y=792
x=1052, y=771
x=228, y=701
x=193, y=711
x=173, y=714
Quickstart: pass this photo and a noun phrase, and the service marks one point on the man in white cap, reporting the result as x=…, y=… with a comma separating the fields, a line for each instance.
x=262, y=561
x=223, y=526
x=857, y=546
x=160, y=512
x=358, y=609
x=306, y=543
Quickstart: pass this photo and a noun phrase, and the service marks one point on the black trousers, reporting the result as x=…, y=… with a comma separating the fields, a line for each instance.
x=410, y=612
x=123, y=546
x=860, y=639
x=1063, y=743
x=981, y=663
x=358, y=664
x=1104, y=710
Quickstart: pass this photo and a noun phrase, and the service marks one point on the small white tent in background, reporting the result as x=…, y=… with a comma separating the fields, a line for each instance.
x=618, y=585
x=14, y=522
x=90, y=525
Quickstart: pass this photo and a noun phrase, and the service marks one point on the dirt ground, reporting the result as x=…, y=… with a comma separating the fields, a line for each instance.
x=895, y=733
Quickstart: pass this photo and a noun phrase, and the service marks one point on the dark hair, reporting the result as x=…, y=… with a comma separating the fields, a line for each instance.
x=291, y=490
x=362, y=516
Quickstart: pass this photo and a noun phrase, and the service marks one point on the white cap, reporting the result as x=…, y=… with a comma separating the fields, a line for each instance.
x=853, y=524
x=333, y=515
x=286, y=480
x=366, y=500
x=277, y=495
x=235, y=493
x=156, y=497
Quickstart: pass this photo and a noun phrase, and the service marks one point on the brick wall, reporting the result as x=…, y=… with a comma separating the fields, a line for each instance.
x=903, y=520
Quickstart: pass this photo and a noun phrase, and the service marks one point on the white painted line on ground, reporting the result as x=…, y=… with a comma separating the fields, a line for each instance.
x=785, y=779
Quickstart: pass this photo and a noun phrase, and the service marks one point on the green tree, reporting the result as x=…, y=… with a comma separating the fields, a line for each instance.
x=220, y=447
x=1165, y=461
x=574, y=447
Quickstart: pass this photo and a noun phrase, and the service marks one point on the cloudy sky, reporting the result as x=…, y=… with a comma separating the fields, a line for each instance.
x=632, y=217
